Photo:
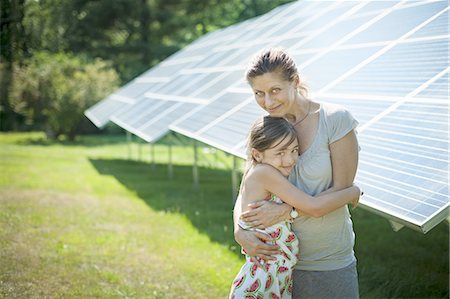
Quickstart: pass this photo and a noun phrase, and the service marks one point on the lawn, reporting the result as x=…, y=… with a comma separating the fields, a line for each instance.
x=81, y=220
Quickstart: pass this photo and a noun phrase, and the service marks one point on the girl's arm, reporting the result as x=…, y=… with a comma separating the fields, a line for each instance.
x=274, y=182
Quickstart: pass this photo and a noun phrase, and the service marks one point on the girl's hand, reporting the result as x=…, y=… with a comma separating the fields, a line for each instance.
x=254, y=244
x=264, y=213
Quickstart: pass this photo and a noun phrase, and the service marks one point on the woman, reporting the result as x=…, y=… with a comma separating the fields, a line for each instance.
x=328, y=158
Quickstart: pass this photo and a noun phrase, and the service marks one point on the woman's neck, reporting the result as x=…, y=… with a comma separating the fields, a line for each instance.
x=301, y=108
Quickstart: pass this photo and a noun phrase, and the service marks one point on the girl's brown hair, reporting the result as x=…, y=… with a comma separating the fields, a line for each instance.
x=267, y=132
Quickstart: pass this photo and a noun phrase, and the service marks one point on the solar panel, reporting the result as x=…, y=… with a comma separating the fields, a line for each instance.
x=387, y=62
x=131, y=107
x=100, y=113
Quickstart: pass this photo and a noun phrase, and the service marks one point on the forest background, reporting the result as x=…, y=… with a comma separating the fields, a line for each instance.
x=99, y=45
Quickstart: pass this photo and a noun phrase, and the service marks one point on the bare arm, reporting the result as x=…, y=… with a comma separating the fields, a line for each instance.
x=252, y=241
x=272, y=180
x=344, y=160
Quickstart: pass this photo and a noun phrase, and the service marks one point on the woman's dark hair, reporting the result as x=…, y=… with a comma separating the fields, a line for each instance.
x=274, y=60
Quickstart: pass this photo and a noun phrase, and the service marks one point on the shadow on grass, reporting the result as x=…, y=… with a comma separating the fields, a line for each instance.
x=209, y=207
x=404, y=264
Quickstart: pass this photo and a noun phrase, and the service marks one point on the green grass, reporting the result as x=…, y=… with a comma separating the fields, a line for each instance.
x=81, y=220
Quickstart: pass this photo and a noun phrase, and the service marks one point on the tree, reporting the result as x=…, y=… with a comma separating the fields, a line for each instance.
x=133, y=35
x=12, y=47
x=53, y=90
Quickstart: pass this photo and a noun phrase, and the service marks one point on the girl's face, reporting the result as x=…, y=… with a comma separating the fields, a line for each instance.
x=274, y=94
x=283, y=156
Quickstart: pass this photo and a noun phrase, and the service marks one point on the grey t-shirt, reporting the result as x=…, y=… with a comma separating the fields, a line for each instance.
x=326, y=243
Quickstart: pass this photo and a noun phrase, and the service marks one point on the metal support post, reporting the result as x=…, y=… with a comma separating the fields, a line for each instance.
x=152, y=155
x=129, y=144
x=169, y=165
x=140, y=150
x=194, y=166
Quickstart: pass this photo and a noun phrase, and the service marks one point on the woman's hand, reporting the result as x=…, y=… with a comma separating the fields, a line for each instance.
x=264, y=213
x=356, y=199
x=254, y=244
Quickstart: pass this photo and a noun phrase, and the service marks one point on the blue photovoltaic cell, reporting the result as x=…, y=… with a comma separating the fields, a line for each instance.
x=233, y=129
x=324, y=19
x=288, y=43
x=301, y=58
x=362, y=110
x=336, y=32
x=228, y=79
x=207, y=114
x=213, y=60
x=284, y=28
x=334, y=64
x=169, y=69
x=180, y=84
x=133, y=111
x=100, y=113
x=437, y=27
x=242, y=55
x=166, y=105
x=438, y=89
x=399, y=71
x=133, y=90
x=153, y=108
x=405, y=159
x=376, y=7
x=158, y=123
x=391, y=28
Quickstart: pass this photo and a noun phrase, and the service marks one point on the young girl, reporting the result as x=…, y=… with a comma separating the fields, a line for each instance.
x=272, y=153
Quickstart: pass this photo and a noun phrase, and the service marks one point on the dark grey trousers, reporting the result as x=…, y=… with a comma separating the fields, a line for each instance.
x=341, y=283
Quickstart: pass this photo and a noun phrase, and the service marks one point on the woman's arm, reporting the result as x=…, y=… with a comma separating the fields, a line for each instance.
x=344, y=160
x=251, y=241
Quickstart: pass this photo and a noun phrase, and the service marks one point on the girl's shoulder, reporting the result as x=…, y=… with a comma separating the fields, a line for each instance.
x=254, y=184
x=262, y=171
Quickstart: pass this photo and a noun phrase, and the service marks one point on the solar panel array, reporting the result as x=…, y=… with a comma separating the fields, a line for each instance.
x=386, y=61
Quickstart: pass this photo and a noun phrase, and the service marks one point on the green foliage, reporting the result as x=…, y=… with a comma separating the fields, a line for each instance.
x=53, y=90
x=133, y=35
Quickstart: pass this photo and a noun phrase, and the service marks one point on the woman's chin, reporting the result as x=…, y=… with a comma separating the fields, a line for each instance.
x=275, y=113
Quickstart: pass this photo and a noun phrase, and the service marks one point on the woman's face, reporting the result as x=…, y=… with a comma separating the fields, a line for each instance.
x=274, y=94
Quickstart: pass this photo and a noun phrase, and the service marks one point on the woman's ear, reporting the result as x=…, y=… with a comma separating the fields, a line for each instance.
x=257, y=155
x=296, y=81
